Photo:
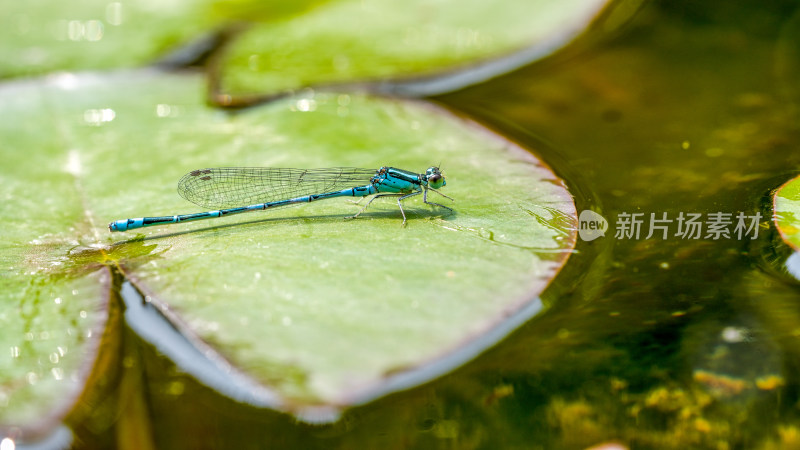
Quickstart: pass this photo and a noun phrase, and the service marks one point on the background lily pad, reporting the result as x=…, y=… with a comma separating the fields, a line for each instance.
x=786, y=215
x=417, y=44
x=787, y=212
x=46, y=35
x=322, y=310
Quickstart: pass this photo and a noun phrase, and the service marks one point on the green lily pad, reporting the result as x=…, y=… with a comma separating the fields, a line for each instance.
x=786, y=210
x=422, y=47
x=50, y=334
x=53, y=311
x=44, y=36
x=48, y=35
x=319, y=311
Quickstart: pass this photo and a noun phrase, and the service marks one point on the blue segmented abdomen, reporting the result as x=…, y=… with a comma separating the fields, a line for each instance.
x=141, y=222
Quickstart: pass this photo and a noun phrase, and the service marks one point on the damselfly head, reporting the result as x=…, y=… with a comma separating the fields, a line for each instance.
x=435, y=178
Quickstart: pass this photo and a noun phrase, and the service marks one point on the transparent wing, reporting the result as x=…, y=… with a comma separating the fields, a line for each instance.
x=229, y=187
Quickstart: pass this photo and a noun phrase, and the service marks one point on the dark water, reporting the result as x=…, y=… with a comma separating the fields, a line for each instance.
x=692, y=107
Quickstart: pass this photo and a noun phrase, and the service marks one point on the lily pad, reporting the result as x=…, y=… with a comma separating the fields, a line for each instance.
x=786, y=215
x=50, y=335
x=53, y=311
x=786, y=209
x=317, y=311
x=423, y=47
x=48, y=35
x=44, y=36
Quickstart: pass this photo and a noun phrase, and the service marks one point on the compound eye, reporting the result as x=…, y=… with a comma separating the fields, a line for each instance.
x=436, y=181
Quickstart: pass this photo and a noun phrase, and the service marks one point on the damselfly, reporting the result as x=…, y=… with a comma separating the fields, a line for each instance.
x=226, y=189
